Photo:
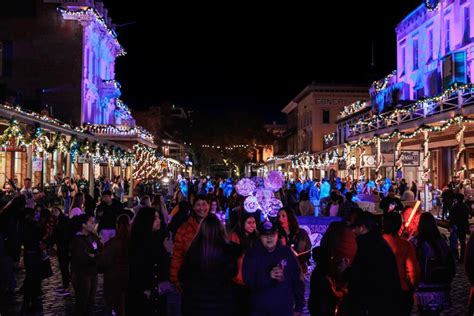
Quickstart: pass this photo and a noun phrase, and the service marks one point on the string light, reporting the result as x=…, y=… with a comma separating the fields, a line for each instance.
x=352, y=108
x=328, y=138
x=299, y=160
x=429, y=5
x=92, y=12
x=108, y=129
x=381, y=84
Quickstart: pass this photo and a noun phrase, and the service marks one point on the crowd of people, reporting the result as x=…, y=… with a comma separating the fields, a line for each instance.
x=194, y=243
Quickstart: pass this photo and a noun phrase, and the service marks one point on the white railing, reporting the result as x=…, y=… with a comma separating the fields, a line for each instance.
x=417, y=111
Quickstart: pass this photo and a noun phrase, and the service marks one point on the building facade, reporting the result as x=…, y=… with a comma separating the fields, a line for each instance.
x=71, y=73
x=60, y=110
x=418, y=122
x=311, y=115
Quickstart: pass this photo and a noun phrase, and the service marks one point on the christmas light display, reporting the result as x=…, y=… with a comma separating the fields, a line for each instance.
x=328, y=138
x=432, y=5
x=352, y=108
x=107, y=129
x=381, y=84
x=418, y=105
x=301, y=160
x=92, y=13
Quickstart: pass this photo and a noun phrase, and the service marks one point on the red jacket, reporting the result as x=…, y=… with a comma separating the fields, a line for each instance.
x=238, y=279
x=408, y=267
x=183, y=239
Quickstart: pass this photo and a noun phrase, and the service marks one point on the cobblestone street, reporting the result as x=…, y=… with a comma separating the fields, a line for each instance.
x=54, y=305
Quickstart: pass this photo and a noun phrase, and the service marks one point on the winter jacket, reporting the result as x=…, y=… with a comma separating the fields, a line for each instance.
x=300, y=243
x=12, y=225
x=407, y=263
x=107, y=214
x=149, y=266
x=114, y=261
x=437, y=264
x=208, y=291
x=340, y=242
x=81, y=263
x=269, y=296
x=245, y=245
x=322, y=299
x=62, y=234
x=374, y=282
x=184, y=237
x=459, y=216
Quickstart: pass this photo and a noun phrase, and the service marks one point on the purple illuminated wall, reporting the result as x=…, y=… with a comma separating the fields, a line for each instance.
x=426, y=36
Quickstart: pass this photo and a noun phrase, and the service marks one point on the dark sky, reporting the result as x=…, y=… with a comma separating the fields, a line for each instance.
x=256, y=59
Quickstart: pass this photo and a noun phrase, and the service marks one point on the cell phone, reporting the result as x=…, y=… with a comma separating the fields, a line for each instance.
x=94, y=247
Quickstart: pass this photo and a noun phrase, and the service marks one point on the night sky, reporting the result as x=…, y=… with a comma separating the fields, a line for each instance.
x=252, y=58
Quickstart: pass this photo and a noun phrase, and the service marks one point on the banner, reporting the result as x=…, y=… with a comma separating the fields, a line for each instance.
x=37, y=164
x=410, y=158
x=368, y=161
x=341, y=164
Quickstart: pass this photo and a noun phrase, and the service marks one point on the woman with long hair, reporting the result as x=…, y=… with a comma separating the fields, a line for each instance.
x=149, y=256
x=294, y=237
x=437, y=266
x=77, y=206
x=206, y=275
x=114, y=263
x=180, y=215
x=245, y=235
x=215, y=208
x=158, y=204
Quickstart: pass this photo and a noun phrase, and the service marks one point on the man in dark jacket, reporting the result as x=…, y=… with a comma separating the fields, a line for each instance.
x=459, y=217
x=273, y=275
x=448, y=199
x=374, y=283
x=391, y=203
x=106, y=213
x=62, y=236
x=85, y=249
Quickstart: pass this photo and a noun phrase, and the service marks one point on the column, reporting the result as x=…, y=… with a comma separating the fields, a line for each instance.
x=68, y=165
x=91, y=177
x=29, y=162
x=426, y=170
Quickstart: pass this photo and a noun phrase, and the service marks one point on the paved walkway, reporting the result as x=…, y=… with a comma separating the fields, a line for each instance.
x=54, y=305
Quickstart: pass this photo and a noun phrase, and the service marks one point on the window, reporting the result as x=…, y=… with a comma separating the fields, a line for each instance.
x=467, y=26
x=403, y=61
x=419, y=93
x=447, y=49
x=430, y=45
x=326, y=117
x=415, y=54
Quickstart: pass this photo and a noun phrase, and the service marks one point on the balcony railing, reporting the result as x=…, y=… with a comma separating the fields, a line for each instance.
x=449, y=101
x=120, y=131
